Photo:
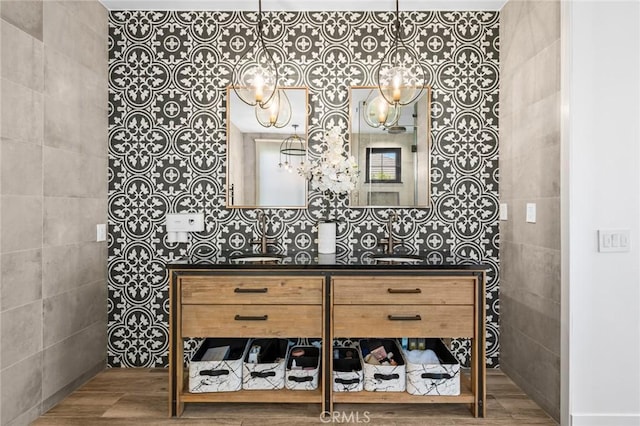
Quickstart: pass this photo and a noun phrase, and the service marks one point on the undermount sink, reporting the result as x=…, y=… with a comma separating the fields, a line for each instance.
x=397, y=258
x=258, y=258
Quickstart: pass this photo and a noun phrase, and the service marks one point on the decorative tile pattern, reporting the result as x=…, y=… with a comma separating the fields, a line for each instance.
x=168, y=72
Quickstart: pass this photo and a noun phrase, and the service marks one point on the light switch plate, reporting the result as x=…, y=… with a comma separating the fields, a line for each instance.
x=101, y=232
x=504, y=211
x=531, y=212
x=614, y=240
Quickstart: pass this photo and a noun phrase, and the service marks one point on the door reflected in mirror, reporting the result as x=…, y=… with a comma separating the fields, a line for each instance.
x=262, y=161
x=391, y=145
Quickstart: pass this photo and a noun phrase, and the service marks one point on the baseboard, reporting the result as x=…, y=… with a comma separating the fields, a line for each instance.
x=605, y=419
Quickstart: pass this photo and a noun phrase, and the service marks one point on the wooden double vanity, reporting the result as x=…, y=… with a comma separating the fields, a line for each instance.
x=220, y=298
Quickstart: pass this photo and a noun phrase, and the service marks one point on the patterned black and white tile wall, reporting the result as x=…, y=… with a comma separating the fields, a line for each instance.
x=168, y=73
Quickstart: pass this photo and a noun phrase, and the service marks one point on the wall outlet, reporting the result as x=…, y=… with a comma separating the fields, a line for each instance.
x=614, y=240
x=531, y=212
x=101, y=232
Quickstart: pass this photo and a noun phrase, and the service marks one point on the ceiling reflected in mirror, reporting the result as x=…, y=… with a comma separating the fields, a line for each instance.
x=262, y=161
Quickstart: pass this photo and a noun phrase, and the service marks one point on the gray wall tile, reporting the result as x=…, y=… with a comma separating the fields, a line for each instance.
x=70, y=64
x=71, y=266
x=69, y=359
x=532, y=269
x=67, y=313
x=21, y=278
x=21, y=333
x=21, y=168
x=24, y=14
x=22, y=58
x=22, y=113
x=52, y=400
x=69, y=174
x=72, y=220
x=21, y=223
x=530, y=173
x=64, y=76
x=66, y=34
x=91, y=14
x=21, y=388
x=27, y=417
x=545, y=232
x=534, y=368
x=537, y=173
x=75, y=126
x=532, y=316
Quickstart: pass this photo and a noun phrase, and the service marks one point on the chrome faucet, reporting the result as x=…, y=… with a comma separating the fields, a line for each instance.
x=262, y=229
x=389, y=241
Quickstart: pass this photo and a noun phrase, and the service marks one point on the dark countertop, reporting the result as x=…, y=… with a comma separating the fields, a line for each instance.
x=314, y=261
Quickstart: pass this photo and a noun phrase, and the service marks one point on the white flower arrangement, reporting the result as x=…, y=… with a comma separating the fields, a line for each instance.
x=335, y=171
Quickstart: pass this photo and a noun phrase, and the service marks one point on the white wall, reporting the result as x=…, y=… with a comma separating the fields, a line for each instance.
x=603, y=183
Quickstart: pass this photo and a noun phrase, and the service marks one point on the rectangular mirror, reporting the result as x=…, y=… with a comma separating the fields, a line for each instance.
x=261, y=167
x=393, y=160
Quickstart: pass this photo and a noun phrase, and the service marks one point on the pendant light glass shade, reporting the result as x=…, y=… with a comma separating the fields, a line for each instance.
x=275, y=113
x=255, y=76
x=379, y=113
x=401, y=76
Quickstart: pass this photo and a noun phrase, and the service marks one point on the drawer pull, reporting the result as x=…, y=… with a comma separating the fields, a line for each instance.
x=300, y=379
x=214, y=373
x=404, y=290
x=379, y=376
x=263, y=374
x=250, y=318
x=347, y=381
x=436, y=376
x=404, y=318
x=250, y=290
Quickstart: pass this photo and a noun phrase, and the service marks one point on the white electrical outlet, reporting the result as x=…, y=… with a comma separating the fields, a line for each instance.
x=531, y=212
x=101, y=232
x=614, y=240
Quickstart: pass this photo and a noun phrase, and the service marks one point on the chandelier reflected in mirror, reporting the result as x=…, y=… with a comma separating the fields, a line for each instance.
x=378, y=112
x=292, y=151
x=255, y=75
x=401, y=76
x=275, y=113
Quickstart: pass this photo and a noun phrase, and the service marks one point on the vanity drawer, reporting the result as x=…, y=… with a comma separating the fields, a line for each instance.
x=251, y=321
x=403, y=321
x=404, y=290
x=250, y=290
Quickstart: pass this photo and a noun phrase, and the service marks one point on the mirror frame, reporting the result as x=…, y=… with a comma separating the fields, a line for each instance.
x=285, y=129
x=428, y=203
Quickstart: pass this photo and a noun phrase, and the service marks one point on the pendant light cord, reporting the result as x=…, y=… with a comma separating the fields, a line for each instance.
x=397, y=32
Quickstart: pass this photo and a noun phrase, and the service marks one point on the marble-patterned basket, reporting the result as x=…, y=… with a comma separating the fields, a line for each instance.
x=218, y=376
x=268, y=373
x=347, y=374
x=306, y=379
x=384, y=378
x=435, y=379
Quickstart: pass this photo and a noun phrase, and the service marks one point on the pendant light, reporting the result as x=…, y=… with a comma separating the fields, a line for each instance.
x=275, y=113
x=290, y=148
x=255, y=76
x=401, y=76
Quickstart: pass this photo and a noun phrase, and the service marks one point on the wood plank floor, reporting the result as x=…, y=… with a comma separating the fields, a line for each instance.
x=139, y=397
